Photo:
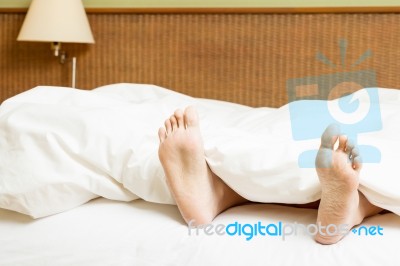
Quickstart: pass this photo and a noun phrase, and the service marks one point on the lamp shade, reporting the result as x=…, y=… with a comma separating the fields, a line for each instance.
x=56, y=21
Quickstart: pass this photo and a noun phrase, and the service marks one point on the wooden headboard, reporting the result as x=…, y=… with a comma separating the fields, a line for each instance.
x=248, y=58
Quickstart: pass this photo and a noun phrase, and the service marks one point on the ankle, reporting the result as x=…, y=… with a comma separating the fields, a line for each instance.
x=366, y=208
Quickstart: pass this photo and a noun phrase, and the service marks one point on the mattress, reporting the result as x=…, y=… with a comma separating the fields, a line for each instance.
x=105, y=232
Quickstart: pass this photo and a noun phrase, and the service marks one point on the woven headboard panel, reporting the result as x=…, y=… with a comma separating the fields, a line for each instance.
x=244, y=58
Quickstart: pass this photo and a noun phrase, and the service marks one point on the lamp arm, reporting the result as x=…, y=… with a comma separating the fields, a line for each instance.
x=56, y=47
x=73, y=71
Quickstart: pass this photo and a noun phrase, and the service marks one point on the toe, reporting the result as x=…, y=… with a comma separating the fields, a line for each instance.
x=179, y=118
x=191, y=117
x=355, y=152
x=174, y=123
x=356, y=159
x=162, y=134
x=349, y=147
x=330, y=136
x=357, y=163
x=168, y=126
x=342, y=143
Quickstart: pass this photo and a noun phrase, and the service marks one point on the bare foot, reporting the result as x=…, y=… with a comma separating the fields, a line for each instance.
x=198, y=192
x=342, y=206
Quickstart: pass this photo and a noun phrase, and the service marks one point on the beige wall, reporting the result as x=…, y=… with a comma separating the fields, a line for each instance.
x=218, y=3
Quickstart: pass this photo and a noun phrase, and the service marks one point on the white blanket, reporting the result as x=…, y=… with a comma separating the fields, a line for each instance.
x=61, y=147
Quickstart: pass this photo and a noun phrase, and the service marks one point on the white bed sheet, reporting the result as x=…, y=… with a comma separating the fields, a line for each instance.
x=105, y=232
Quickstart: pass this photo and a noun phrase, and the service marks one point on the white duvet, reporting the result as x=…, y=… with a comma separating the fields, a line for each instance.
x=61, y=147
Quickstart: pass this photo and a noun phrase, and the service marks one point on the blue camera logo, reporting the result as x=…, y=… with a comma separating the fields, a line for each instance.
x=312, y=108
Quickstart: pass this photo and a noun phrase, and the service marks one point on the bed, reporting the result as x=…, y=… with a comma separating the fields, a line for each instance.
x=104, y=232
x=255, y=59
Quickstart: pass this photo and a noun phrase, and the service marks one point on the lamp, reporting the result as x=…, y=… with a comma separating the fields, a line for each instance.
x=57, y=21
